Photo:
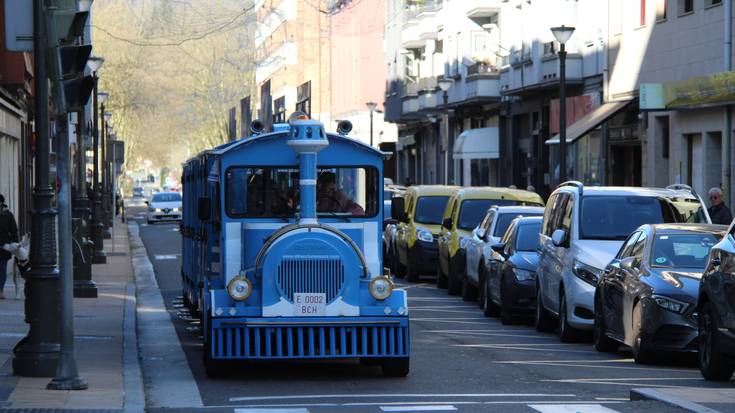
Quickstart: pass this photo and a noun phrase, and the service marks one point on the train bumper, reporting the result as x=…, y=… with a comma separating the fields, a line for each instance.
x=260, y=338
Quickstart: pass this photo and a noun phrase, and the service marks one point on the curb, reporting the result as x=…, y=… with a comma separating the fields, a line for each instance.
x=168, y=379
x=652, y=394
x=134, y=397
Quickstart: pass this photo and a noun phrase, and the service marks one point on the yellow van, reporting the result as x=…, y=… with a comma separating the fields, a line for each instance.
x=418, y=228
x=464, y=211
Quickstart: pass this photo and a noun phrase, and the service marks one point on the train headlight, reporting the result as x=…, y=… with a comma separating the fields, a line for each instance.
x=239, y=288
x=381, y=287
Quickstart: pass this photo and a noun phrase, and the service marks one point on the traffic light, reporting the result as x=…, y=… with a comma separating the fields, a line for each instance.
x=68, y=58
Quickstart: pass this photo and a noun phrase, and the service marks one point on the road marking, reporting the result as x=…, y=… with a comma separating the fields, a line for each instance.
x=507, y=347
x=506, y=333
x=585, y=363
x=165, y=257
x=262, y=410
x=468, y=310
x=571, y=408
x=373, y=395
x=435, y=408
x=625, y=382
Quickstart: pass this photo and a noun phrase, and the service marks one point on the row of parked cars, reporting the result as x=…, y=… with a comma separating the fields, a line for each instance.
x=640, y=267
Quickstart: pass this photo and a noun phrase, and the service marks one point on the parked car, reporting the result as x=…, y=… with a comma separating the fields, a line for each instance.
x=418, y=228
x=583, y=229
x=647, y=296
x=138, y=192
x=466, y=208
x=164, y=206
x=716, y=309
x=481, y=258
x=510, y=290
x=390, y=225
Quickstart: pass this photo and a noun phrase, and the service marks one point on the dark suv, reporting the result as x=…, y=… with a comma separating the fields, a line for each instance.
x=716, y=307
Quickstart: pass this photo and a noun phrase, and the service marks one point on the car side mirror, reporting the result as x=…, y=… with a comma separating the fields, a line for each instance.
x=389, y=221
x=499, y=247
x=627, y=263
x=397, y=208
x=146, y=202
x=447, y=223
x=480, y=232
x=205, y=208
x=559, y=237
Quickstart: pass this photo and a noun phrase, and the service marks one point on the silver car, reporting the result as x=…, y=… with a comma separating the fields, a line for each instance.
x=164, y=206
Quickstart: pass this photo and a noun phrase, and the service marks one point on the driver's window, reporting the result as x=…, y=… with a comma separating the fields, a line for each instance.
x=625, y=250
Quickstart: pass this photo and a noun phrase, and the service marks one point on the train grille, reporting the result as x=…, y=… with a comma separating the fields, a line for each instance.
x=320, y=275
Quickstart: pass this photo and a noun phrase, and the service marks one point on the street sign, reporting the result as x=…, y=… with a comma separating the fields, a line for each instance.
x=19, y=25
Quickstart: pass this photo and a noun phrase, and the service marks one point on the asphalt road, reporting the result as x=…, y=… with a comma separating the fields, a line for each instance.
x=460, y=361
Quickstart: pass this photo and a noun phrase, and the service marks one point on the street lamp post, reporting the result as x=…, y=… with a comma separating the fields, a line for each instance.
x=444, y=84
x=107, y=214
x=371, y=106
x=562, y=35
x=97, y=226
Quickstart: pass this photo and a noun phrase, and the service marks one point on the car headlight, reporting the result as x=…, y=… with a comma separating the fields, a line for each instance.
x=177, y=209
x=239, y=288
x=586, y=273
x=524, y=275
x=381, y=287
x=424, y=235
x=159, y=210
x=670, y=304
x=464, y=242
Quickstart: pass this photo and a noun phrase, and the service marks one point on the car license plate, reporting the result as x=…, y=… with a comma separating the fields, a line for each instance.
x=309, y=304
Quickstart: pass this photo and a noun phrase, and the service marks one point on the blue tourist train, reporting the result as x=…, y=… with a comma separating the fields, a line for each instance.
x=282, y=250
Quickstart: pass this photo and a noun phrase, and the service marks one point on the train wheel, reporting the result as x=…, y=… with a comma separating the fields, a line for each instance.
x=395, y=367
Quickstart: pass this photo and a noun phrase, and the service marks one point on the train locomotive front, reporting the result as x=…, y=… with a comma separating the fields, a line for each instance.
x=278, y=274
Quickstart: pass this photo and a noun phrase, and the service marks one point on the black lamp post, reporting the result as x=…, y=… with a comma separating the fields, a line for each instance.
x=444, y=84
x=97, y=226
x=371, y=106
x=106, y=195
x=562, y=35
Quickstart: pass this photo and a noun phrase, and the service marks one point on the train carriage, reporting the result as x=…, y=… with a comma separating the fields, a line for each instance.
x=281, y=242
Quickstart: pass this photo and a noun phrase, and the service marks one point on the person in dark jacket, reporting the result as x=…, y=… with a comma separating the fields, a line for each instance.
x=718, y=211
x=8, y=234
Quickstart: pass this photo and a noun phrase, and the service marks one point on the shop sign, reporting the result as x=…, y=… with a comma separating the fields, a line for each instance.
x=714, y=89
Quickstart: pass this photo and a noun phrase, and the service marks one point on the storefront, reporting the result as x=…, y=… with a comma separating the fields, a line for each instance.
x=476, y=153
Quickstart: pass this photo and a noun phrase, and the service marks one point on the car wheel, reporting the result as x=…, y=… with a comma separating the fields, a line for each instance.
x=400, y=269
x=395, y=367
x=712, y=363
x=543, y=321
x=469, y=291
x=642, y=353
x=480, y=288
x=411, y=274
x=602, y=342
x=454, y=286
x=506, y=313
x=441, y=278
x=567, y=333
x=489, y=309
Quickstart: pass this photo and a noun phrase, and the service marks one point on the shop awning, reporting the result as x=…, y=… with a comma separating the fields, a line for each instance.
x=481, y=143
x=590, y=121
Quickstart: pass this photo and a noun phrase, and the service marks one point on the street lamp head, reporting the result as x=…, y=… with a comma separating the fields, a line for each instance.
x=445, y=83
x=95, y=63
x=562, y=33
x=371, y=106
x=108, y=116
x=102, y=96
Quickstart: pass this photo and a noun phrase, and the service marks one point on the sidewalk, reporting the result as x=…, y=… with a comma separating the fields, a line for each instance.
x=692, y=399
x=102, y=326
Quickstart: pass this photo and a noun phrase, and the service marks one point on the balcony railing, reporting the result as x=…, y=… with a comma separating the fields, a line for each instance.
x=481, y=68
x=415, y=7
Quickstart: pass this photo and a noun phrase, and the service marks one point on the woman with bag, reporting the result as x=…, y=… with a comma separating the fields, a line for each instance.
x=8, y=234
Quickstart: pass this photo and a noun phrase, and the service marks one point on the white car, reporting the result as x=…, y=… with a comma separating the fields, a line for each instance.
x=164, y=206
x=583, y=229
x=480, y=257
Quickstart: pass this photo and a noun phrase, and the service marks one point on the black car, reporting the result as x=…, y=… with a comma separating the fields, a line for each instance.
x=717, y=311
x=647, y=296
x=516, y=272
x=138, y=192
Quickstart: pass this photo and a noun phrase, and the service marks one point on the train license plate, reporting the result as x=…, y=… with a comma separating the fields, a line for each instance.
x=309, y=304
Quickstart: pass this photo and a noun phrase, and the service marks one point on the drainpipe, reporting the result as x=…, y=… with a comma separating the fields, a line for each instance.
x=728, y=109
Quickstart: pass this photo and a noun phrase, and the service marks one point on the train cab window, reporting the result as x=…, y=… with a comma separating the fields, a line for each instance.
x=266, y=192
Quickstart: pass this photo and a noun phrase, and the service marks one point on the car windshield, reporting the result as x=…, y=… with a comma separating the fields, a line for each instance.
x=614, y=217
x=528, y=236
x=504, y=221
x=167, y=197
x=472, y=212
x=682, y=250
x=430, y=209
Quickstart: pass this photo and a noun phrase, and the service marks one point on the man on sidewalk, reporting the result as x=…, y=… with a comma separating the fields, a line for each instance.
x=718, y=211
x=8, y=234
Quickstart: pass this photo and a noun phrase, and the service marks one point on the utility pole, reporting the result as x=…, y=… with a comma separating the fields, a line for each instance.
x=36, y=355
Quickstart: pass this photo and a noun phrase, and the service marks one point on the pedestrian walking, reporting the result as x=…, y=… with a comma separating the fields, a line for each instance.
x=718, y=211
x=8, y=234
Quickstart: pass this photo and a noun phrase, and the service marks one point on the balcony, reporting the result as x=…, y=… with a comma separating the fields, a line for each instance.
x=538, y=73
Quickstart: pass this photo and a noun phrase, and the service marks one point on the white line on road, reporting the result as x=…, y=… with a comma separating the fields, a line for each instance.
x=586, y=363
x=507, y=347
x=372, y=395
x=261, y=410
x=435, y=408
x=165, y=257
x=571, y=408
